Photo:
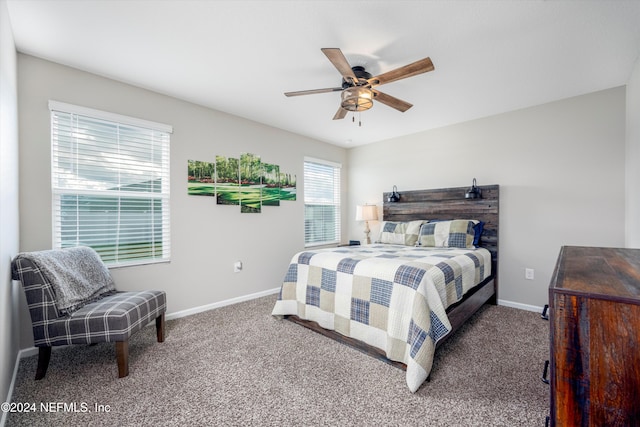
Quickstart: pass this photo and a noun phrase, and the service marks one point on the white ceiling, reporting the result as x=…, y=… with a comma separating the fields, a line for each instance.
x=241, y=56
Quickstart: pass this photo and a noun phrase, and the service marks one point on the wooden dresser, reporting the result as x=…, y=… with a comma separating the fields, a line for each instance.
x=594, y=301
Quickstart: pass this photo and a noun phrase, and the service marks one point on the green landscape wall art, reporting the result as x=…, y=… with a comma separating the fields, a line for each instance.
x=250, y=183
x=201, y=178
x=244, y=181
x=270, y=185
x=227, y=181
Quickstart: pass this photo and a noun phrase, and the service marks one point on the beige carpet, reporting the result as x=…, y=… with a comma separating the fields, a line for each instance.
x=238, y=365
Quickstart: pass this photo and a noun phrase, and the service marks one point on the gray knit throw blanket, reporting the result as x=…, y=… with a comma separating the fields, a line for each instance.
x=78, y=276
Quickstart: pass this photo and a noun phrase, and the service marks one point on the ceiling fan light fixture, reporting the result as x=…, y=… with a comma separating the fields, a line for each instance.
x=356, y=93
x=357, y=98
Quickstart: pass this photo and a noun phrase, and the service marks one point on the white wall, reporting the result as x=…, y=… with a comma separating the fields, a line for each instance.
x=206, y=238
x=9, y=291
x=560, y=167
x=633, y=159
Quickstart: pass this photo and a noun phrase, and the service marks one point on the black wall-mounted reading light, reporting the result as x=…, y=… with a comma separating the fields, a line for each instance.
x=394, y=196
x=474, y=192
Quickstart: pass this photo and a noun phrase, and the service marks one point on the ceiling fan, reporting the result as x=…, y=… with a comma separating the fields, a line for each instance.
x=358, y=86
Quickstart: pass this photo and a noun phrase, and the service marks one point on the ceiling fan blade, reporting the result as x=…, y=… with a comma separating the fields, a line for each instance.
x=391, y=101
x=312, y=91
x=338, y=60
x=410, y=70
x=340, y=114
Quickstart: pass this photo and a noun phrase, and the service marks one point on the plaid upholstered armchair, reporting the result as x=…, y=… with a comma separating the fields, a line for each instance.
x=72, y=300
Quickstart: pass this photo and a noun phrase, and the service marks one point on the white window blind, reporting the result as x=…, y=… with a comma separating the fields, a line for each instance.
x=321, y=202
x=110, y=184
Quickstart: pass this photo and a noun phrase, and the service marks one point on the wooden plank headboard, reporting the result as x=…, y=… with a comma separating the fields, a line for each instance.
x=450, y=203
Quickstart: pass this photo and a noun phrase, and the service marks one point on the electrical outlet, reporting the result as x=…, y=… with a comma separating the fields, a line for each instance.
x=528, y=273
x=237, y=266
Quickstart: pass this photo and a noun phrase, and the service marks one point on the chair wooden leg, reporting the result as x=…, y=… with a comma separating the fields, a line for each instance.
x=44, y=355
x=122, y=354
x=160, y=327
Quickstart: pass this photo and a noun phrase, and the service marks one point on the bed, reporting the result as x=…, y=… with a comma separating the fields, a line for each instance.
x=435, y=264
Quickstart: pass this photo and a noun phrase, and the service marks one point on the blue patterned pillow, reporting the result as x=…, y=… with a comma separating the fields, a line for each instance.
x=477, y=229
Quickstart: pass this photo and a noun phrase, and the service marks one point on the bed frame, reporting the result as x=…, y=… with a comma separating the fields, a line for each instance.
x=440, y=204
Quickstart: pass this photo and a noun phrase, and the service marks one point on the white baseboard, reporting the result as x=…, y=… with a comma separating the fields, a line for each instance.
x=16, y=365
x=521, y=306
x=3, y=419
x=28, y=352
x=202, y=308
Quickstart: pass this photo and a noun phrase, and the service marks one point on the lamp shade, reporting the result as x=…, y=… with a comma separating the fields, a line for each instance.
x=357, y=98
x=366, y=213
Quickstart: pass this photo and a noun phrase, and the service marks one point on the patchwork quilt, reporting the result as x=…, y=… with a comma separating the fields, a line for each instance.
x=392, y=297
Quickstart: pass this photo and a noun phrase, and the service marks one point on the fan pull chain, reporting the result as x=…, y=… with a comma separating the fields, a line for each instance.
x=353, y=119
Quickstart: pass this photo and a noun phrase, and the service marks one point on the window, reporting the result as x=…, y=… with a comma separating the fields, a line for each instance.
x=110, y=184
x=321, y=202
